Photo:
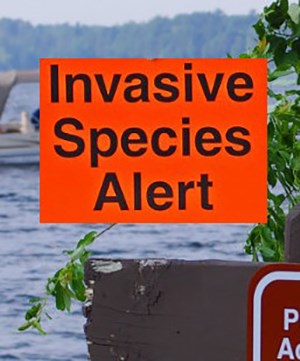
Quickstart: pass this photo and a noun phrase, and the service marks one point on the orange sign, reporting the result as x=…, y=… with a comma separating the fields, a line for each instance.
x=274, y=314
x=160, y=140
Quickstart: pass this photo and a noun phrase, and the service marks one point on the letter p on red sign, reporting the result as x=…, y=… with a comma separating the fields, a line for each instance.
x=274, y=314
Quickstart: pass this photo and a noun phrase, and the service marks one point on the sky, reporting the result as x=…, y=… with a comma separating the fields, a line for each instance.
x=113, y=12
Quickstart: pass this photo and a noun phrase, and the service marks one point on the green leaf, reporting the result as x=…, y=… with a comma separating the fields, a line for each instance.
x=280, y=55
x=272, y=180
x=260, y=29
x=77, y=281
x=277, y=73
x=275, y=15
x=267, y=253
x=38, y=326
x=25, y=326
x=284, y=6
x=296, y=47
x=59, y=297
x=69, y=253
x=77, y=253
x=34, y=300
x=87, y=240
x=244, y=56
x=79, y=289
x=294, y=13
x=33, y=312
x=292, y=92
x=279, y=199
x=271, y=130
x=85, y=255
x=67, y=299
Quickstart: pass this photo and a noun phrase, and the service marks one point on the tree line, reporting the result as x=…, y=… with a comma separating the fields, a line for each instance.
x=196, y=35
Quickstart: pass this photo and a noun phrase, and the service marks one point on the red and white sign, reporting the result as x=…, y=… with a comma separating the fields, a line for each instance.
x=274, y=314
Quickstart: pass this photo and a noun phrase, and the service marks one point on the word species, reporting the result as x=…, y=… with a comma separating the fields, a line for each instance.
x=135, y=142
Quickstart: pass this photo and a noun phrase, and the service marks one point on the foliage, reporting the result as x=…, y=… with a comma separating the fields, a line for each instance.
x=65, y=285
x=194, y=35
x=278, y=31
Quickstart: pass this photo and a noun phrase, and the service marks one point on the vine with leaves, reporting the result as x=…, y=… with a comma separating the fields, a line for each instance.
x=278, y=32
x=66, y=285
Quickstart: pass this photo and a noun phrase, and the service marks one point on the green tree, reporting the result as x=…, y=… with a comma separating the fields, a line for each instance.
x=278, y=31
x=194, y=35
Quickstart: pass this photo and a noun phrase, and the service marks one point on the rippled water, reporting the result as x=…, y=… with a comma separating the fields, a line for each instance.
x=30, y=252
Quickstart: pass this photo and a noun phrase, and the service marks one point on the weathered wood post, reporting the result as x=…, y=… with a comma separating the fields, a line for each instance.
x=172, y=310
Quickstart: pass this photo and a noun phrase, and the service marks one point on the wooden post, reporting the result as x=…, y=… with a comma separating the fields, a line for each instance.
x=172, y=310
x=168, y=310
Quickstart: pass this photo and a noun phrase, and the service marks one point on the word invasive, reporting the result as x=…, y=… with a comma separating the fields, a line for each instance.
x=167, y=86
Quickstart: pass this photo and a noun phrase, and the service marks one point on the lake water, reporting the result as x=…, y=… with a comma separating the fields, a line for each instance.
x=30, y=252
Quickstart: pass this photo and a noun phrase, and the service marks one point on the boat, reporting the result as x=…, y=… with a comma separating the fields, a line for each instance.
x=19, y=141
